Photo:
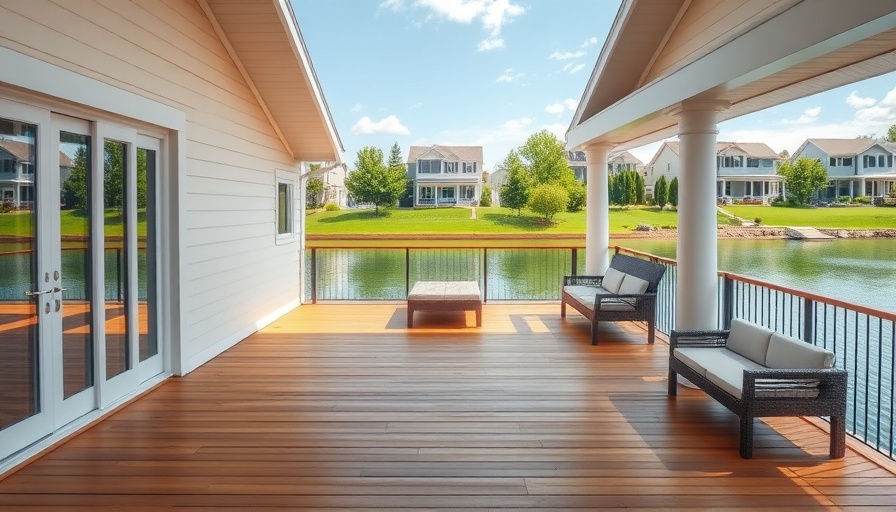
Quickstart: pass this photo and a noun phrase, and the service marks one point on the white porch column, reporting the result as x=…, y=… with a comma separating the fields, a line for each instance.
x=597, y=210
x=696, y=295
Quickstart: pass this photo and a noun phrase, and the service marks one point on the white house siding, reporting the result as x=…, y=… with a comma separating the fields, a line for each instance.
x=234, y=276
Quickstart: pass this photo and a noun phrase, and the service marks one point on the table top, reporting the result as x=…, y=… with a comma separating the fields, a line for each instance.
x=445, y=290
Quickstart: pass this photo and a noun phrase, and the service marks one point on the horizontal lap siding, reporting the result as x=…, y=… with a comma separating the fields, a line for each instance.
x=233, y=273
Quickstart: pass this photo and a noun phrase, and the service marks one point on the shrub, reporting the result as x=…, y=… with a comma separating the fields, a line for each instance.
x=644, y=227
x=577, y=197
x=862, y=200
x=331, y=207
x=485, y=199
x=843, y=199
x=548, y=200
x=757, y=220
x=734, y=222
x=6, y=206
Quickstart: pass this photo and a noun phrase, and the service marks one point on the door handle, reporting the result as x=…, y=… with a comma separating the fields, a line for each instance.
x=35, y=294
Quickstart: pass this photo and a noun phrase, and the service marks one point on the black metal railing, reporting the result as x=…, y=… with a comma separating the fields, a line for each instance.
x=864, y=339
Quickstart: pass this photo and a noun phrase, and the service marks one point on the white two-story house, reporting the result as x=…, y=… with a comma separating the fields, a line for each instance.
x=17, y=173
x=445, y=175
x=744, y=170
x=856, y=167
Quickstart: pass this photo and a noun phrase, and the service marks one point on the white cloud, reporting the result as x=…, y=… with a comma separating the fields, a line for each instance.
x=562, y=106
x=493, y=14
x=509, y=76
x=517, y=125
x=575, y=69
x=566, y=55
x=357, y=108
x=389, y=125
x=415, y=106
x=487, y=45
x=591, y=41
x=810, y=115
x=855, y=101
x=557, y=129
x=395, y=5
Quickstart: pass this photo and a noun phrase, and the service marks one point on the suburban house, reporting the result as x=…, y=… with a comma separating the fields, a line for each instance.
x=577, y=162
x=183, y=130
x=856, y=167
x=624, y=161
x=333, y=178
x=744, y=170
x=445, y=175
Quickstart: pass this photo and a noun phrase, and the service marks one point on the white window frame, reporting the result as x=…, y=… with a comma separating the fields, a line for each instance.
x=289, y=179
x=451, y=167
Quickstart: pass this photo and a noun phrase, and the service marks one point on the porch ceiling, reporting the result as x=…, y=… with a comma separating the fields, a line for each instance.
x=263, y=39
x=745, y=55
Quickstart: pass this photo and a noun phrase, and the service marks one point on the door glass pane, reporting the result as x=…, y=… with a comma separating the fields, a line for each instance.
x=146, y=252
x=74, y=222
x=115, y=250
x=19, y=376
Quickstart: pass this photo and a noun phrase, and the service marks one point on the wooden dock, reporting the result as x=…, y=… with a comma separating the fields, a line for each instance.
x=804, y=233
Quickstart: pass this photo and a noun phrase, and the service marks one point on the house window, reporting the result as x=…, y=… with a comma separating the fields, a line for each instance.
x=427, y=193
x=870, y=161
x=8, y=165
x=728, y=188
x=833, y=162
x=27, y=168
x=469, y=167
x=890, y=161
x=451, y=167
x=767, y=163
x=733, y=161
x=847, y=161
x=446, y=193
x=429, y=166
x=468, y=192
x=752, y=162
x=880, y=161
x=285, y=207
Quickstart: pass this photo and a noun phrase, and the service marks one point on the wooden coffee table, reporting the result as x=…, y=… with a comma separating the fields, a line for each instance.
x=445, y=296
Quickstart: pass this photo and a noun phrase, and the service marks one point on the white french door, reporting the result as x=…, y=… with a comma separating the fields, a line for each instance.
x=78, y=269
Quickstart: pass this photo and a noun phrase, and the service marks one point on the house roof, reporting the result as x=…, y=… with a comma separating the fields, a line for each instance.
x=750, y=149
x=264, y=41
x=844, y=147
x=735, y=57
x=456, y=153
x=22, y=151
x=625, y=156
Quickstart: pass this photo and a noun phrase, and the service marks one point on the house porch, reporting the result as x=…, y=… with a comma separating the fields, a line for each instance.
x=317, y=412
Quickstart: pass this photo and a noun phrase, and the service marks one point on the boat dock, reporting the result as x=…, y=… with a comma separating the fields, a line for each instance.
x=803, y=233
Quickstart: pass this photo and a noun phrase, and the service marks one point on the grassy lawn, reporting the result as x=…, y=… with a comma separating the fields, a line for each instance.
x=855, y=218
x=493, y=220
x=72, y=222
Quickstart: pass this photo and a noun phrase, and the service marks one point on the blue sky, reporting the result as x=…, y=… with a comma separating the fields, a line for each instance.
x=492, y=72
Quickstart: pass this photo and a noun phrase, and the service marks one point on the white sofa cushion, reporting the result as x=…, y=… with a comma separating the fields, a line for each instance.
x=616, y=305
x=749, y=340
x=786, y=352
x=719, y=359
x=612, y=280
x=633, y=285
x=585, y=294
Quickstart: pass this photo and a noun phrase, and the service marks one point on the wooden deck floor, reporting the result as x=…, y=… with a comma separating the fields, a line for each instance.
x=341, y=406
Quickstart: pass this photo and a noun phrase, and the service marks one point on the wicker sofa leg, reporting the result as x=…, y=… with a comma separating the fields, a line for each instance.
x=838, y=436
x=673, y=383
x=651, y=331
x=562, y=309
x=594, y=332
x=746, y=436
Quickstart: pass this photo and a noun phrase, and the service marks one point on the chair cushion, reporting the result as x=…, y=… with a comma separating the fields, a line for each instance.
x=786, y=352
x=612, y=280
x=633, y=285
x=749, y=340
x=585, y=294
x=720, y=360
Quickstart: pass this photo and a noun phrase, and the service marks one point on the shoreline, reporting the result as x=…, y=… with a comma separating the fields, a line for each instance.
x=724, y=232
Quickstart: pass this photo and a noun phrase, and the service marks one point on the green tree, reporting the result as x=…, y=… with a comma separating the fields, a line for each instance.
x=548, y=200
x=639, y=187
x=673, y=192
x=578, y=195
x=373, y=182
x=545, y=158
x=74, y=189
x=314, y=191
x=891, y=133
x=661, y=191
x=515, y=193
x=803, y=178
x=485, y=199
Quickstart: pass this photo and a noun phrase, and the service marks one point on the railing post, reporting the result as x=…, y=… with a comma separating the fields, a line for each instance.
x=727, y=302
x=118, y=271
x=809, y=320
x=407, y=272
x=575, y=260
x=484, y=275
x=314, y=276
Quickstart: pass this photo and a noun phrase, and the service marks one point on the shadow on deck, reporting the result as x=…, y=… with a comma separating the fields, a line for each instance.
x=341, y=406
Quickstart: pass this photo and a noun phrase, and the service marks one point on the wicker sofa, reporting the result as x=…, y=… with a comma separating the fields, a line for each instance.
x=756, y=372
x=626, y=292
